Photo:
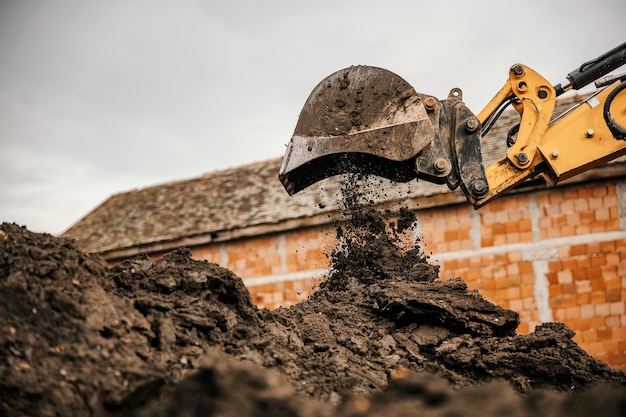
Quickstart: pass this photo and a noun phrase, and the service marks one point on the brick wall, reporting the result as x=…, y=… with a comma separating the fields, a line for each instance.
x=549, y=255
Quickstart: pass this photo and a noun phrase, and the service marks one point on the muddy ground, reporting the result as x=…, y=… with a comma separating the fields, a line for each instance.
x=179, y=337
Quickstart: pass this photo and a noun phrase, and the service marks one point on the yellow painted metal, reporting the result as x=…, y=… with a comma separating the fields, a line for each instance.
x=575, y=142
x=534, y=99
x=581, y=140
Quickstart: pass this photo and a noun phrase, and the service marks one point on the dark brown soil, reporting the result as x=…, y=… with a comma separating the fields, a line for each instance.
x=175, y=336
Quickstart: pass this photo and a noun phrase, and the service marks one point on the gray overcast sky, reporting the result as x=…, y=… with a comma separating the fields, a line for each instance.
x=101, y=97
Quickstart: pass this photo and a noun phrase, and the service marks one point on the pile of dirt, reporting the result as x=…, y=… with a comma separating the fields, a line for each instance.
x=81, y=339
x=176, y=336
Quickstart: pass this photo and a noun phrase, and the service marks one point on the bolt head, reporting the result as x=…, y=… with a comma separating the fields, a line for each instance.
x=518, y=70
x=430, y=103
x=440, y=165
x=590, y=133
x=555, y=154
x=522, y=158
x=479, y=187
x=471, y=124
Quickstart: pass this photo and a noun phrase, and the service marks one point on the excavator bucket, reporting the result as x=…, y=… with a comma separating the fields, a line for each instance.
x=362, y=120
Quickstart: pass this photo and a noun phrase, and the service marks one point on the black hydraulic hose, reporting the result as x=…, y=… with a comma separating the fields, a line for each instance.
x=493, y=118
x=511, y=136
x=618, y=131
x=596, y=68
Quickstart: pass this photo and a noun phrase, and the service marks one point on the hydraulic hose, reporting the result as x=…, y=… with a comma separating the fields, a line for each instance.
x=618, y=131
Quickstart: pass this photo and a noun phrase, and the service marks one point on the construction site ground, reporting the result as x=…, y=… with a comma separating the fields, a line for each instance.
x=383, y=335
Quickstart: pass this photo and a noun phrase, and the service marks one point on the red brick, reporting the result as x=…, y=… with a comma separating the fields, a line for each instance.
x=450, y=235
x=594, y=273
x=488, y=285
x=619, y=333
x=602, y=214
x=526, y=267
x=555, y=266
x=583, y=299
x=584, y=192
x=501, y=295
x=612, y=259
x=598, y=297
x=612, y=224
x=568, y=300
x=527, y=291
x=589, y=336
x=516, y=305
x=598, y=260
x=555, y=291
x=614, y=295
x=569, y=288
x=611, y=245
x=596, y=349
x=568, y=230
x=559, y=315
x=586, y=217
x=612, y=321
x=451, y=264
x=577, y=250
x=596, y=322
x=523, y=328
x=583, y=229
x=613, y=284
x=584, y=324
x=593, y=248
x=597, y=285
x=605, y=334
x=587, y=311
x=529, y=303
x=602, y=309
x=616, y=308
x=511, y=227
x=617, y=359
x=598, y=227
x=595, y=203
x=611, y=346
x=552, y=278
x=513, y=293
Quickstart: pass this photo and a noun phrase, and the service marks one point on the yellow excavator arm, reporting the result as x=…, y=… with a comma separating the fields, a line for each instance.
x=368, y=120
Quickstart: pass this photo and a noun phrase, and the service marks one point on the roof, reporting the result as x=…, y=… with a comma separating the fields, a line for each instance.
x=233, y=203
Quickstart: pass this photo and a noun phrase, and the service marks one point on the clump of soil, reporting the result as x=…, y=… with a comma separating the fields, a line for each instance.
x=175, y=336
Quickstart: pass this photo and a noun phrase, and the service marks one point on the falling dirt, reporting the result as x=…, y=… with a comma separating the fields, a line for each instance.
x=179, y=337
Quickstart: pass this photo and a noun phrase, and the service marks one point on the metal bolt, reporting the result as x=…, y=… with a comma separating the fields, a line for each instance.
x=518, y=70
x=522, y=86
x=555, y=154
x=542, y=94
x=471, y=124
x=522, y=158
x=440, y=165
x=479, y=187
x=590, y=133
x=430, y=103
